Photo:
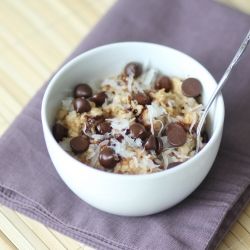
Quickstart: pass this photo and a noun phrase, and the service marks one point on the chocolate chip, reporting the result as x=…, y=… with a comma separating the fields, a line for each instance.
x=79, y=144
x=134, y=69
x=83, y=90
x=59, y=132
x=173, y=164
x=92, y=122
x=139, y=118
x=191, y=87
x=99, y=98
x=184, y=125
x=81, y=105
x=151, y=143
x=108, y=158
x=119, y=137
x=154, y=143
x=142, y=98
x=104, y=128
x=163, y=82
x=176, y=135
x=162, y=166
x=137, y=130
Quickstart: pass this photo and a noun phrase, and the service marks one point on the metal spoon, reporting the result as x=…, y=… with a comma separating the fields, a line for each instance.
x=222, y=82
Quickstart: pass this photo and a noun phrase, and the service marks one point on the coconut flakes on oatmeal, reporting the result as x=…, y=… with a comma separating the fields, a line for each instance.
x=137, y=122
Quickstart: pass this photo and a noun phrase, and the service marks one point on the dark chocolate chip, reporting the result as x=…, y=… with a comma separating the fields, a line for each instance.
x=191, y=87
x=108, y=158
x=98, y=98
x=81, y=105
x=134, y=69
x=83, y=90
x=59, y=132
x=151, y=143
x=142, y=98
x=92, y=122
x=154, y=143
x=162, y=166
x=140, y=118
x=103, y=128
x=163, y=82
x=79, y=144
x=173, y=164
x=119, y=137
x=134, y=111
x=176, y=135
x=137, y=130
x=186, y=126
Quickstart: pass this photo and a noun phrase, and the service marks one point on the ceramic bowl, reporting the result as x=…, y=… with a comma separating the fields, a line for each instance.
x=130, y=195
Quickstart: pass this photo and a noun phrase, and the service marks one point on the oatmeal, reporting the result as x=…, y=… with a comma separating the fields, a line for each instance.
x=138, y=122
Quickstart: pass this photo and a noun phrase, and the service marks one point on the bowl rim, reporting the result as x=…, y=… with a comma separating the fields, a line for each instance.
x=46, y=128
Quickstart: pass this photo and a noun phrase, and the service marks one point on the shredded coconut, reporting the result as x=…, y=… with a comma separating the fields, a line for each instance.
x=192, y=125
x=93, y=155
x=171, y=103
x=165, y=158
x=65, y=144
x=137, y=143
x=103, y=143
x=119, y=123
x=135, y=161
x=162, y=127
x=67, y=104
x=138, y=87
x=180, y=156
x=148, y=163
x=197, y=108
x=154, y=110
x=121, y=149
x=111, y=82
x=130, y=79
x=149, y=78
x=97, y=137
x=121, y=109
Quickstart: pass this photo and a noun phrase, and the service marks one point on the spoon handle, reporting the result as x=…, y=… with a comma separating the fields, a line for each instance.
x=222, y=82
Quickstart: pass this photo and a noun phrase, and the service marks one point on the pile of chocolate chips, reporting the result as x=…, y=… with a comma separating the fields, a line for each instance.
x=175, y=132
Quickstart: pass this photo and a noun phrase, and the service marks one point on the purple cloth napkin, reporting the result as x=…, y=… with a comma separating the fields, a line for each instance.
x=209, y=32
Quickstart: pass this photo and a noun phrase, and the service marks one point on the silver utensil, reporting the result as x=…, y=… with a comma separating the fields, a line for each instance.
x=221, y=84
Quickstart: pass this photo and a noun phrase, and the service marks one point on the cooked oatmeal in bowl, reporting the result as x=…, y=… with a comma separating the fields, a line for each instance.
x=117, y=119
x=137, y=122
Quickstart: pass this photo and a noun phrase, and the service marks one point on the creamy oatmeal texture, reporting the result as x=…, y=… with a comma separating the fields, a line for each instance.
x=140, y=121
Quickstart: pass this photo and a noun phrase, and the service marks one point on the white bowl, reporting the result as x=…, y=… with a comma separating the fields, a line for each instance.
x=130, y=195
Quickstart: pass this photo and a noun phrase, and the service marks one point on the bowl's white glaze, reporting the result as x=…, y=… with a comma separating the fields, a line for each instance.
x=123, y=194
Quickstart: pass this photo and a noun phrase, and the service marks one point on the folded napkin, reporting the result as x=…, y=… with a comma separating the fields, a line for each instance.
x=209, y=32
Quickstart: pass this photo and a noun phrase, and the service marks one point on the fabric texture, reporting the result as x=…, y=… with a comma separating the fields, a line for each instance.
x=207, y=31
